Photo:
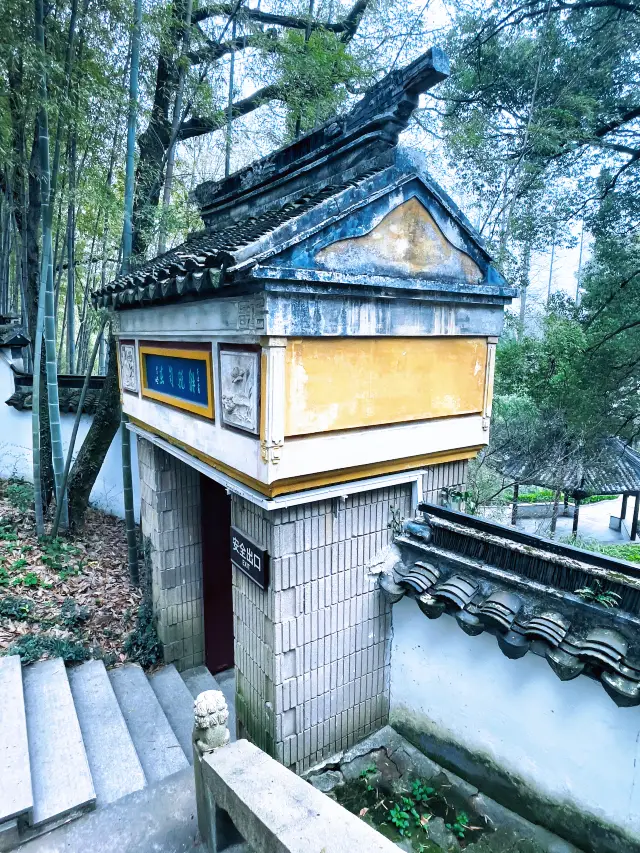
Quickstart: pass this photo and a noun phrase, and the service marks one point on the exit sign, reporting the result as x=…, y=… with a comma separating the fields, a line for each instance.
x=250, y=558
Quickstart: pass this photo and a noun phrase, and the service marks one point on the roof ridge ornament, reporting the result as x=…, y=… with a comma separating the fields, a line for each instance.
x=344, y=144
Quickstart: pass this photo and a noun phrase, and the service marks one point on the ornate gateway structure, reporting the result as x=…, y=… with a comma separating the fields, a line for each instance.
x=304, y=368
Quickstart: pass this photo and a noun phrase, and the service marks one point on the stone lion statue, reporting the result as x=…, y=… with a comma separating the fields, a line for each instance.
x=211, y=714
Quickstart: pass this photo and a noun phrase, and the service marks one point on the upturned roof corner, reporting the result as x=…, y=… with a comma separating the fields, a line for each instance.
x=275, y=219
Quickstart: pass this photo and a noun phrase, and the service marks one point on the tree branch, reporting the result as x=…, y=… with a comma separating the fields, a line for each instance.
x=215, y=50
x=535, y=9
x=347, y=26
x=199, y=125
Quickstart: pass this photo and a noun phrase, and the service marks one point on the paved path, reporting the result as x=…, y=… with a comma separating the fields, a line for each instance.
x=593, y=522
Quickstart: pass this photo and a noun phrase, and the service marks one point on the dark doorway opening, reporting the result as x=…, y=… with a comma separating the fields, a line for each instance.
x=216, y=575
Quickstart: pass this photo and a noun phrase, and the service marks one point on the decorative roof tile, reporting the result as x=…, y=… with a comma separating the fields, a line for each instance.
x=523, y=593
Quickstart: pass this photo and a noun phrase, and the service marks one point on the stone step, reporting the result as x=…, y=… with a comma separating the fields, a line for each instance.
x=177, y=703
x=15, y=775
x=114, y=763
x=200, y=679
x=60, y=775
x=158, y=748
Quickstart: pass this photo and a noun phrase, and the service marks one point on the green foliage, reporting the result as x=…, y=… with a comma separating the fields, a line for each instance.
x=400, y=818
x=630, y=553
x=72, y=615
x=7, y=534
x=33, y=647
x=142, y=644
x=547, y=496
x=20, y=495
x=460, y=825
x=597, y=595
x=16, y=608
x=312, y=75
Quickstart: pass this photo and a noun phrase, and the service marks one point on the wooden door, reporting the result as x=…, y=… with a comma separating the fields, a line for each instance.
x=216, y=575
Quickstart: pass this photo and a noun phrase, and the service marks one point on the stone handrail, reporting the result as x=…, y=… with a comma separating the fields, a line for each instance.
x=244, y=795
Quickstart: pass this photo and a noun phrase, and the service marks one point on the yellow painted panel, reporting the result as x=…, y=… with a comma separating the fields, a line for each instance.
x=407, y=242
x=345, y=383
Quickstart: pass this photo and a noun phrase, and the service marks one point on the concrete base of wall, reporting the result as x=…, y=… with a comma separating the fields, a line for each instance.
x=559, y=753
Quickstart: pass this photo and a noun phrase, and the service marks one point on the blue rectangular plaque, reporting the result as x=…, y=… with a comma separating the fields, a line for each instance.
x=178, y=377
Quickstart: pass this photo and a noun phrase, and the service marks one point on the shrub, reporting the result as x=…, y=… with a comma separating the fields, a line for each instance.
x=142, y=644
x=15, y=608
x=71, y=615
x=20, y=495
x=33, y=647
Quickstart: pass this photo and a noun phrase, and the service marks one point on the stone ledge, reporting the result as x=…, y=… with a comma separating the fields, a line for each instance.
x=277, y=811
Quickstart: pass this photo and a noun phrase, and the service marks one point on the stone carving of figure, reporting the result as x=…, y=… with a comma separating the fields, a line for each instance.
x=211, y=714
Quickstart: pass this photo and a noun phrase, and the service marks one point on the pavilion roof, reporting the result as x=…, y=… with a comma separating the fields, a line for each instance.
x=612, y=468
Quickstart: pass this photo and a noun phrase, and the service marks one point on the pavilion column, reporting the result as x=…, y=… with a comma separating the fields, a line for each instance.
x=634, y=523
x=576, y=515
x=514, y=506
x=623, y=511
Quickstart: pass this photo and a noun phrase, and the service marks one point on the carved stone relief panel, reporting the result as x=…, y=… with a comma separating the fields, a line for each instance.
x=128, y=367
x=240, y=384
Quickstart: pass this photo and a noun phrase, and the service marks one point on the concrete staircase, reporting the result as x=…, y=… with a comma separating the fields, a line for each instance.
x=78, y=738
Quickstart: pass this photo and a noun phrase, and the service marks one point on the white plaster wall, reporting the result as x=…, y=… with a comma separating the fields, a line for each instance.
x=16, y=459
x=566, y=739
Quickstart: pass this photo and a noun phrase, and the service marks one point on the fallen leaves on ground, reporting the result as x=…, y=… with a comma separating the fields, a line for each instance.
x=87, y=570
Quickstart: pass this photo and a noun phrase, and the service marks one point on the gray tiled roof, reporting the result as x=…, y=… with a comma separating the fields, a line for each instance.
x=610, y=469
x=522, y=589
x=194, y=266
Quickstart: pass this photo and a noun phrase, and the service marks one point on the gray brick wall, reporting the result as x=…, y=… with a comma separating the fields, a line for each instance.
x=313, y=651
x=439, y=477
x=170, y=520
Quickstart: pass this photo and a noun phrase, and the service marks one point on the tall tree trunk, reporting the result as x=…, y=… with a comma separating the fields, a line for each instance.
x=127, y=244
x=27, y=213
x=106, y=421
x=154, y=142
x=47, y=271
x=76, y=422
x=177, y=117
x=71, y=258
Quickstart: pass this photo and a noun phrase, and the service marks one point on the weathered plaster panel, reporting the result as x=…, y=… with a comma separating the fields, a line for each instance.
x=312, y=314
x=343, y=383
x=407, y=242
x=557, y=748
x=366, y=217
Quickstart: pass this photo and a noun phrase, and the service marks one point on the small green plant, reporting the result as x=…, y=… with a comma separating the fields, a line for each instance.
x=596, y=594
x=400, y=818
x=15, y=608
x=460, y=825
x=366, y=773
x=5, y=580
x=420, y=792
x=69, y=572
x=18, y=564
x=7, y=534
x=20, y=495
x=30, y=579
x=142, y=644
x=33, y=647
x=71, y=615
